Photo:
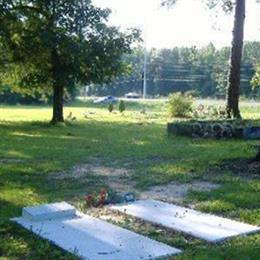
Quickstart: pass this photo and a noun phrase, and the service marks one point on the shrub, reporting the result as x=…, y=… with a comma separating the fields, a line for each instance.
x=180, y=105
x=121, y=106
x=209, y=112
x=110, y=107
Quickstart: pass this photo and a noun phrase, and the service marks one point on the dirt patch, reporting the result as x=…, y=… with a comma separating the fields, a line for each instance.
x=118, y=179
x=242, y=167
x=105, y=213
x=176, y=192
x=122, y=186
x=83, y=170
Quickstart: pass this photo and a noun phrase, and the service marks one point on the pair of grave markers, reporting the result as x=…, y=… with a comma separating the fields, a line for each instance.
x=91, y=238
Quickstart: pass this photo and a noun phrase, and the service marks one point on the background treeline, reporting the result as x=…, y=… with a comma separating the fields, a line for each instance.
x=202, y=71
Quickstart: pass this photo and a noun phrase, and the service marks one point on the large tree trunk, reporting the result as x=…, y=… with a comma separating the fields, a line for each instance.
x=233, y=90
x=58, y=89
x=57, y=115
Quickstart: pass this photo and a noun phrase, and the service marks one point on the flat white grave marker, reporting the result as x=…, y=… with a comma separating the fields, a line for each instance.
x=205, y=226
x=48, y=211
x=88, y=237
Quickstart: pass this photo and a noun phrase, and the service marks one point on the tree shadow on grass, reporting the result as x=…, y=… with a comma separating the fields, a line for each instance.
x=44, y=150
x=47, y=149
x=8, y=209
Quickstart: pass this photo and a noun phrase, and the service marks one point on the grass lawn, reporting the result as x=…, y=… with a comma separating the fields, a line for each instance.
x=33, y=154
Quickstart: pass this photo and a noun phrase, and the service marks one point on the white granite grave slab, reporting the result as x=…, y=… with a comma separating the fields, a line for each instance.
x=205, y=226
x=48, y=211
x=94, y=239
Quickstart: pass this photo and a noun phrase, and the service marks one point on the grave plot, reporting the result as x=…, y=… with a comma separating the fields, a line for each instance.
x=204, y=226
x=88, y=237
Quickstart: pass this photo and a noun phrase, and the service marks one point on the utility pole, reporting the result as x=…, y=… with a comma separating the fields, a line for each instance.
x=145, y=74
x=145, y=64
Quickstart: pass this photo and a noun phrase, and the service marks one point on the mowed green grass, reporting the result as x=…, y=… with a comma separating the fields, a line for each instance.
x=32, y=152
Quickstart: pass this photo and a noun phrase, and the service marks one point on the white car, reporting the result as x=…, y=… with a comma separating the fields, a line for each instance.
x=106, y=100
x=132, y=95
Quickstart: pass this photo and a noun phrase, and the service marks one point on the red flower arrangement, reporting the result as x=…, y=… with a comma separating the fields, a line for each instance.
x=96, y=200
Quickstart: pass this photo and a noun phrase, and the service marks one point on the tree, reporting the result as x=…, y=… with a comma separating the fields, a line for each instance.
x=235, y=61
x=236, y=50
x=53, y=45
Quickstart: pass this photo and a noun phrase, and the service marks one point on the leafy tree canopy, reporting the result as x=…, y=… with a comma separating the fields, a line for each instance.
x=50, y=44
x=227, y=5
x=200, y=70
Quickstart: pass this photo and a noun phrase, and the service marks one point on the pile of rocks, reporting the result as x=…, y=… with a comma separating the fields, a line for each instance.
x=214, y=129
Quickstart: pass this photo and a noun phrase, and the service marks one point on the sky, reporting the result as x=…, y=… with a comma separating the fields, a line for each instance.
x=188, y=23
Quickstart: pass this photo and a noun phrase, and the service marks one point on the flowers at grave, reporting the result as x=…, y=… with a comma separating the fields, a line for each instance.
x=97, y=199
x=104, y=197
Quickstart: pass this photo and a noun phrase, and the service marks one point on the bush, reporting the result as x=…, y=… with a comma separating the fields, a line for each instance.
x=209, y=112
x=121, y=106
x=180, y=105
x=110, y=107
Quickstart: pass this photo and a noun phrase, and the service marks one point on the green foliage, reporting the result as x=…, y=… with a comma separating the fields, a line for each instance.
x=59, y=45
x=110, y=107
x=7, y=96
x=209, y=112
x=256, y=79
x=180, y=105
x=121, y=106
x=227, y=5
x=201, y=70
